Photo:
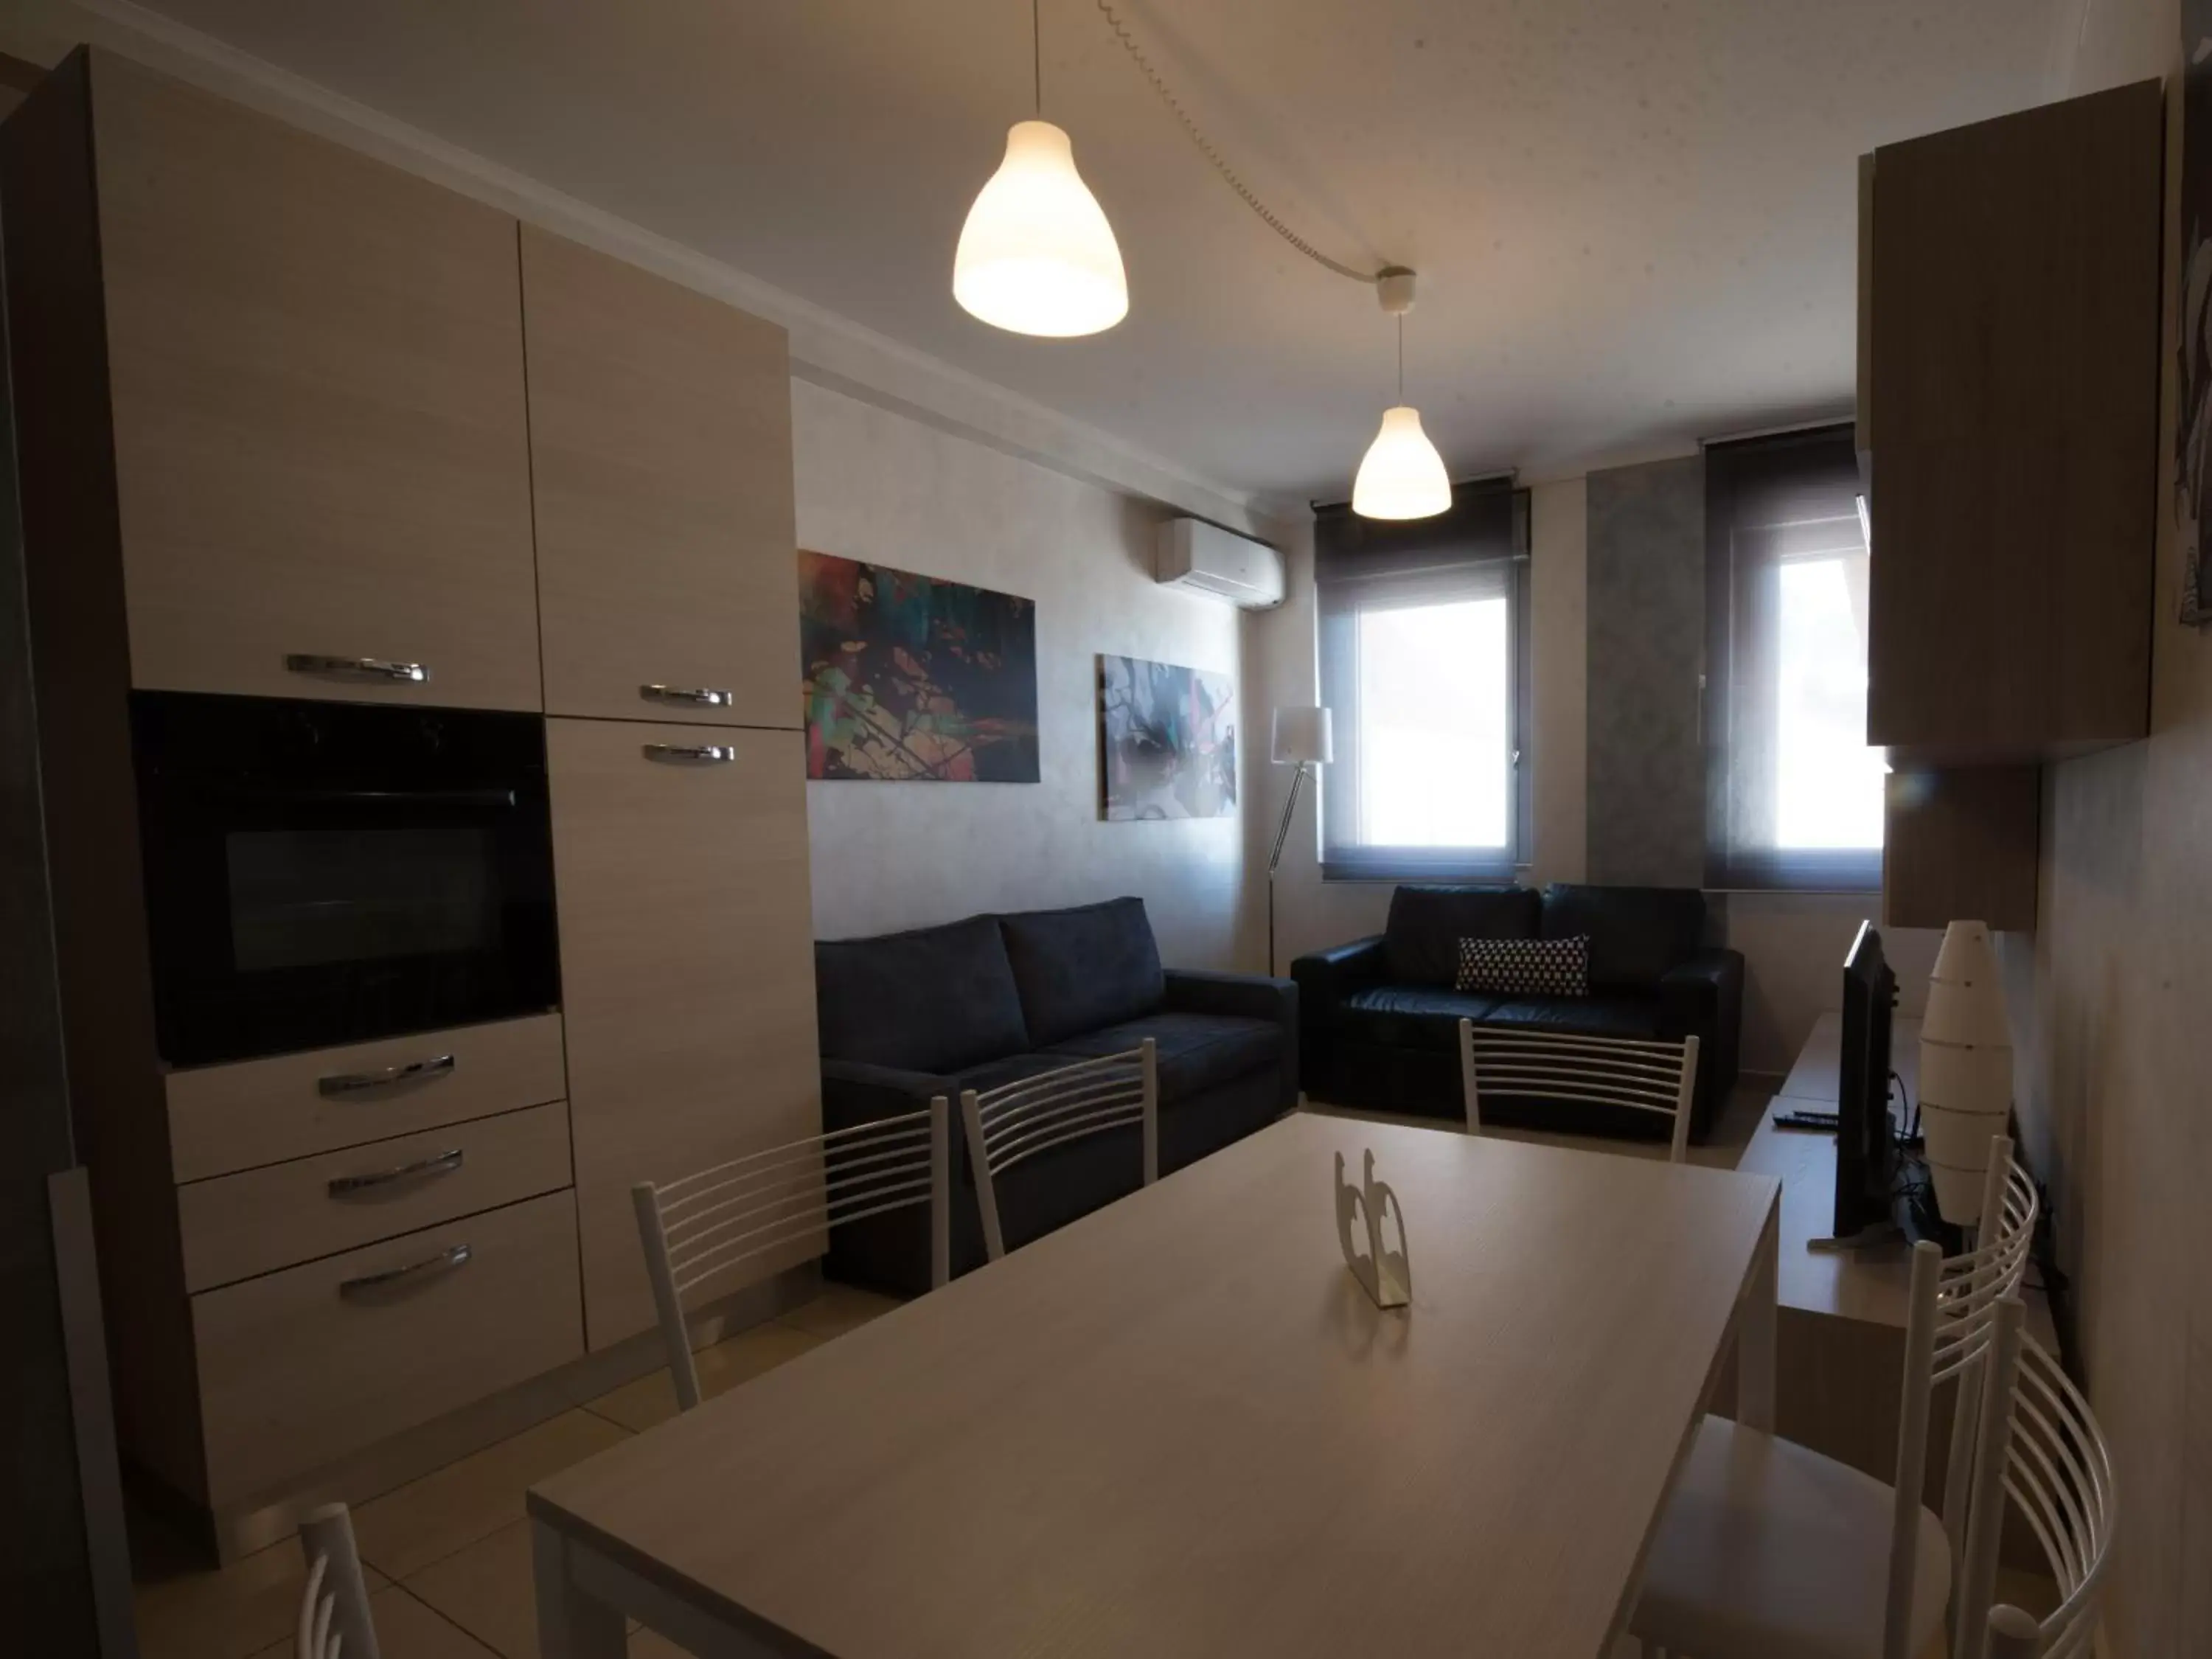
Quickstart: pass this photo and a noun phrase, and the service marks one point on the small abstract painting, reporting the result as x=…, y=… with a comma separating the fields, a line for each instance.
x=911, y=677
x=1167, y=740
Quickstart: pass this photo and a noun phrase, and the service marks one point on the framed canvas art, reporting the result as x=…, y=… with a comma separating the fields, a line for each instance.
x=915, y=677
x=1167, y=740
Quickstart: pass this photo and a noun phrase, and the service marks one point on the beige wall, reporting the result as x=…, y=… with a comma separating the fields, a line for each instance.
x=2112, y=1007
x=873, y=484
x=1793, y=944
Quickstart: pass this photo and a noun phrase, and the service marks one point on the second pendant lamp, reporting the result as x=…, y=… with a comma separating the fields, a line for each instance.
x=1401, y=476
x=1036, y=255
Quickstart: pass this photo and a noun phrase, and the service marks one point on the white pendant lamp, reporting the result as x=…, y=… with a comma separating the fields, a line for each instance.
x=1401, y=476
x=1036, y=255
x=1966, y=1069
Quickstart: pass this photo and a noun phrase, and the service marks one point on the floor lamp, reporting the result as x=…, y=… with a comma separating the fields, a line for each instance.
x=1302, y=739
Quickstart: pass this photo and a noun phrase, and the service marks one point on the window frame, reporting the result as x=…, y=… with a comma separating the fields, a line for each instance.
x=1741, y=480
x=1447, y=578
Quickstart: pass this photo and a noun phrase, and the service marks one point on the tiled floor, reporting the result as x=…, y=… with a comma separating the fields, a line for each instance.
x=447, y=1556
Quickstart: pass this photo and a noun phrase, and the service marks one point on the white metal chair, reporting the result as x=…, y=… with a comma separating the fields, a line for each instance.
x=2047, y=1454
x=707, y=1223
x=1766, y=1550
x=1018, y=1119
x=334, y=1618
x=1527, y=1064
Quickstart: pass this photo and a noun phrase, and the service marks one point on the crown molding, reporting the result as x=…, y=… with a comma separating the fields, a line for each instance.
x=826, y=349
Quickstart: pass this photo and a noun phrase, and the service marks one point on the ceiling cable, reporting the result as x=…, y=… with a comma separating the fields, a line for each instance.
x=1401, y=356
x=1228, y=174
x=1036, y=58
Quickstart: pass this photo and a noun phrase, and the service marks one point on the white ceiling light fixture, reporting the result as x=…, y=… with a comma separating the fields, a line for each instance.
x=1036, y=255
x=1401, y=476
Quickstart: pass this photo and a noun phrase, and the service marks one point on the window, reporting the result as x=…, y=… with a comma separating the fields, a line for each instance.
x=1421, y=631
x=1794, y=793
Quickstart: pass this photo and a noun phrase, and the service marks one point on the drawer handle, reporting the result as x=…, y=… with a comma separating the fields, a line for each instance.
x=375, y=668
x=420, y=1071
x=701, y=754
x=443, y=1164
x=452, y=1257
x=701, y=696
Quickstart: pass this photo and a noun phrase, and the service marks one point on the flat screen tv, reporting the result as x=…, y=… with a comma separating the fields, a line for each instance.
x=1866, y=1143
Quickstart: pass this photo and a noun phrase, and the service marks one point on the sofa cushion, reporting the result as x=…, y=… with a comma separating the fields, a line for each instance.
x=1421, y=938
x=1410, y=1015
x=1080, y=968
x=1525, y=967
x=1636, y=933
x=931, y=1001
x=1617, y=1016
x=1195, y=1051
x=997, y=1073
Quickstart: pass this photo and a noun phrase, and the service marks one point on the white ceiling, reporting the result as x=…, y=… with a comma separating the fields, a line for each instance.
x=1634, y=221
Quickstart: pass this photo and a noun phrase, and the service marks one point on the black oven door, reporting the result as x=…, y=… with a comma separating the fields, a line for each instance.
x=328, y=872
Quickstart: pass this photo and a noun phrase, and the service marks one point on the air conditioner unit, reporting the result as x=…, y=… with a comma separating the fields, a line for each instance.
x=1193, y=554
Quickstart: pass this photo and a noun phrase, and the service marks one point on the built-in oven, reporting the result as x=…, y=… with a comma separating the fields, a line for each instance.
x=328, y=872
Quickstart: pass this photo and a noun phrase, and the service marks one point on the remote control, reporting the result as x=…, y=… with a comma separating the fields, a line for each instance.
x=1806, y=1118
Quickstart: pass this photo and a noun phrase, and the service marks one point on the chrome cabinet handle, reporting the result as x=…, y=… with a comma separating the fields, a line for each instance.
x=375, y=668
x=701, y=696
x=705, y=754
x=452, y=1257
x=420, y=1071
x=443, y=1164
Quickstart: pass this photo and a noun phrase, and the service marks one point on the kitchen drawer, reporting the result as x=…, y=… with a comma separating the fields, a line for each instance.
x=237, y=1225
x=223, y=1118
x=300, y=1368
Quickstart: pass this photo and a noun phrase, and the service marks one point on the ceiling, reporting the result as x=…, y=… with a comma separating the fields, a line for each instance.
x=1634, y=221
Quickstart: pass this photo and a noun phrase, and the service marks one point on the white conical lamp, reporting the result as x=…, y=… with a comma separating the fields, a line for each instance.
x=1401, y=476
x=1036, y=255
x=1966, y=1069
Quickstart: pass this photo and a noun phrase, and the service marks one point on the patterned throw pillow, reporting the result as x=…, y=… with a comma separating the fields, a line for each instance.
x=1526, y=967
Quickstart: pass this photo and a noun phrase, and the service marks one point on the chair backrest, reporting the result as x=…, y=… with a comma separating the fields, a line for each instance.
x=1951, y=1331
x=1019, y=1119
x=2045, y=1452
x=334, y=1619
x=713, y=1221
x=1643, y=1076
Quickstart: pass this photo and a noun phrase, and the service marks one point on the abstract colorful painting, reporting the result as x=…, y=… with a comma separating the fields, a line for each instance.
x=910, y=677
x=1167, y=740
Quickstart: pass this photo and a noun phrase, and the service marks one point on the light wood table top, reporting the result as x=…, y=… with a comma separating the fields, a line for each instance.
x=1178, y=1426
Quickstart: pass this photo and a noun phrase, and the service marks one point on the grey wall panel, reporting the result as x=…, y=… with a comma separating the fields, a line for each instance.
x=1647, y=630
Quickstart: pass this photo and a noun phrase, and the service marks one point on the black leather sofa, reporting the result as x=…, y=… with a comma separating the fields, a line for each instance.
x=975, y=1003
x=1381, y=1019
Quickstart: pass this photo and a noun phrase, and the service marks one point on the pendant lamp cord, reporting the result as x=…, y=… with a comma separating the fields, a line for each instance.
x=1036, y=58
x=1401, y=356
x=1205, y=149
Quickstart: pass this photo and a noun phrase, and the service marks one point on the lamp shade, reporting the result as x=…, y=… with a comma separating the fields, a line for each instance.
x=1303, y=737
x=1036, y=255
x=1966, y=1069
x=1401, y=476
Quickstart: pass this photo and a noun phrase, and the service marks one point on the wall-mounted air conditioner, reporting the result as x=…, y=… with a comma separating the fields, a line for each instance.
x=1193, y=554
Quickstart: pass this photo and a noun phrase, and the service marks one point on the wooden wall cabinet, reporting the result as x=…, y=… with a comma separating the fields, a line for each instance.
x=314, y=364
x=2009, y=404
x=661, y=447
x=686, y=969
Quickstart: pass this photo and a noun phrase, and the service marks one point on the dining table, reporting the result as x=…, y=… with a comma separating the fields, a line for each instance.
x=1179, y=1426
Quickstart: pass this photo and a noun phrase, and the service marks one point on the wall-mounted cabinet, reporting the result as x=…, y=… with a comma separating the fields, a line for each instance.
x=660, y=448
x=1962, y=845
x=314, y=370
x=2009, y=408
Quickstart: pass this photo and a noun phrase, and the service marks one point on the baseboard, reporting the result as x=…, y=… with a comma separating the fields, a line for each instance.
x=270, y=1516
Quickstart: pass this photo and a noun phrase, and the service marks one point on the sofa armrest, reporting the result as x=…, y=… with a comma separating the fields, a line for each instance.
x=853, y=1093
x=1252, y=996
x=1325, y=978
x=1702, y=996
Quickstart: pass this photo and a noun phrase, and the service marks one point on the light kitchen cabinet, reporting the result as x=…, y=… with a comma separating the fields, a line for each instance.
x=687, y=972
x=660, y=445
x=314, y=369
